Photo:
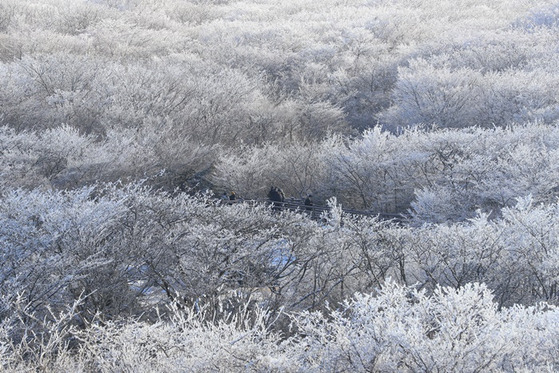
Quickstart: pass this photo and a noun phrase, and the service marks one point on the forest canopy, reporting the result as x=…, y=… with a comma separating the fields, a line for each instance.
x=141, y=86
x=123, y=121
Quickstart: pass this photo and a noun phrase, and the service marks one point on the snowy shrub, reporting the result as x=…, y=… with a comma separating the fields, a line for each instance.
x=401, y=329
x=396, y=329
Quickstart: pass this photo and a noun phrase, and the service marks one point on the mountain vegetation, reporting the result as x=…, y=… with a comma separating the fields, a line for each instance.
x=123, y=121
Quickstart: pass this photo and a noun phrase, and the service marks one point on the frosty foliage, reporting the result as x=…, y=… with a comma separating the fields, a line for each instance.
x=166, y=84
x=236, y=276
x=439, y=175
x=121, y=119
x=401, y=329
x=398, y=329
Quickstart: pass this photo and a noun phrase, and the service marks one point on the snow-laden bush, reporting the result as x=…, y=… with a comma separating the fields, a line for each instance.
x=453, y=330
x=299, y=169
x=129, y=248
x=187, y=342
x=56, y=246
x=396, y=329
x=295, y=68
x=109, y=256
x=443, y=175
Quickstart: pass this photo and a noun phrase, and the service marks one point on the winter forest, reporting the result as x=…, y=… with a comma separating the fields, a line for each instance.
x=122, y=122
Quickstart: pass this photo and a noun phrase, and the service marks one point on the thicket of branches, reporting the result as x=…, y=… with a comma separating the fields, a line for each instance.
x=95, y=271
x=111, y=111
x=174, y=84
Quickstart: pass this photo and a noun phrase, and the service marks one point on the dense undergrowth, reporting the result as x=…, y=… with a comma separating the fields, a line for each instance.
x=121, y=120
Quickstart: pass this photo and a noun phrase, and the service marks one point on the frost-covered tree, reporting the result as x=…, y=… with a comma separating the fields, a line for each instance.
x=405, y=330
